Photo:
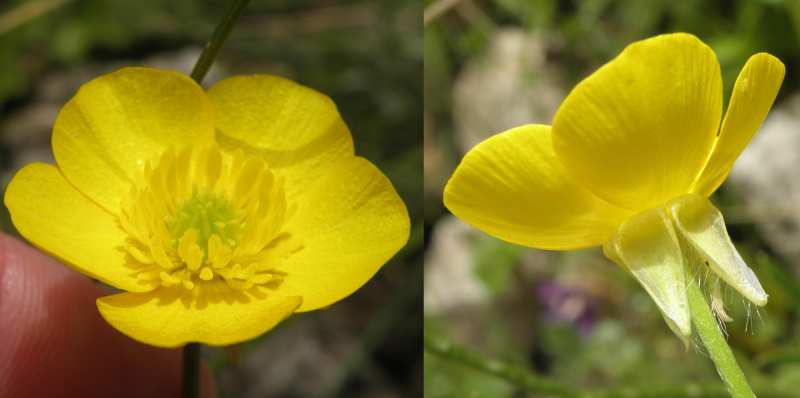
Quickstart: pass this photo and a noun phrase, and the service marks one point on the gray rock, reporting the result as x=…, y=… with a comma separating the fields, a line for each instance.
x=766, y=177
x=449, y=279
x=510, y=85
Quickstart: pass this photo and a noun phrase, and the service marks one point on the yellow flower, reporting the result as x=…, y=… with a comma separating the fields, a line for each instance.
x=632, y=156
x=219, y=213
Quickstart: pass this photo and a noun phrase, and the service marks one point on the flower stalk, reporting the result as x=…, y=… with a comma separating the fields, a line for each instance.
x=191, y=351
x=191, y=371
x=707, y=328
x=217, y=39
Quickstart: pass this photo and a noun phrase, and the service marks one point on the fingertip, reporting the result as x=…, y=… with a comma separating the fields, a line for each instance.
x=55, y=343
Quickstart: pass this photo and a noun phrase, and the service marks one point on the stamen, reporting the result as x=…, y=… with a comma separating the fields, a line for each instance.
x=206, y=274
x=191, y=254
x=201, y=215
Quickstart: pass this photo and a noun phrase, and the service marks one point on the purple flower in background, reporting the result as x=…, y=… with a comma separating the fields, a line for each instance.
x=567, y=304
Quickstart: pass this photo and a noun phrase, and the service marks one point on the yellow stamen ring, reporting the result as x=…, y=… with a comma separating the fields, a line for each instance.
x=202, y=215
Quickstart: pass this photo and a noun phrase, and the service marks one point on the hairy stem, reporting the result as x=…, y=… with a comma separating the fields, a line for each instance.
x=707, y=328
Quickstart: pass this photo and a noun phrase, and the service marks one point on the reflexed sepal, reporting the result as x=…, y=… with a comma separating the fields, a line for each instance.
x=646, y=245
x=701, y=229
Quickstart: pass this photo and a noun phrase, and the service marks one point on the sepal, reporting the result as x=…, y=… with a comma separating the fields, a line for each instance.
x=701, y=230
x=646, y=246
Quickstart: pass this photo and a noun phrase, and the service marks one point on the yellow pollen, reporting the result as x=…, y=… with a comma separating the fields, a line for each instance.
x=203, y=215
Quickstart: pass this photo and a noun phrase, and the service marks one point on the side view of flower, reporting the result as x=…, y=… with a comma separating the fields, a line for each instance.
x=632, y=156
x=218, y=213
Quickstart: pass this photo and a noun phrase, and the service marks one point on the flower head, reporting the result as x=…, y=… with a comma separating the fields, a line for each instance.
x=219, y=213
x=633, y=154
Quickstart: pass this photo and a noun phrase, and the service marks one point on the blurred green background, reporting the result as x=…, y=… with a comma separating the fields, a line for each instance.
x=366, y=55
x=575, y=317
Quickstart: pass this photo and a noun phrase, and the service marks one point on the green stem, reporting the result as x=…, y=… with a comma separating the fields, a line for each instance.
x=191, y=352
x=217, y=38
x=705, y=323
x=518, y=376
x=191, y=368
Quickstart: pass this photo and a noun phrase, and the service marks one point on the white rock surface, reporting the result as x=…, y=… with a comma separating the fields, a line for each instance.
x=450, y=282
x=510, y=85
x=767, y=177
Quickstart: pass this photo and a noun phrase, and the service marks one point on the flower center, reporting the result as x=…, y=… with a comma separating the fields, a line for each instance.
x=208, y=214
x=205, y=216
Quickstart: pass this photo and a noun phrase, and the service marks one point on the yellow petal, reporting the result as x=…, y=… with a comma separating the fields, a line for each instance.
x=511, y=186
x=297, y=129
x=753, y=94
x=638, y=131
x=53, y=216
x=701, y=226
x=350, y=223
x=118, y=121
x=212, y=314
x=646, y=246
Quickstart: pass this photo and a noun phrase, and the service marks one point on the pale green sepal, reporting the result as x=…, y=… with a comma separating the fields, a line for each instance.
x=701, y=226
x=647, y=247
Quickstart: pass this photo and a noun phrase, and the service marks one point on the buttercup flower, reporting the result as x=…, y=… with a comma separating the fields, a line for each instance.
x=219, y=213
x=633, y=154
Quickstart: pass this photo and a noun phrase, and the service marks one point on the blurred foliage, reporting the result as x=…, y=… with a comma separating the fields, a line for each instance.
x=366, y=55
x=627, y=342
x=494, y=261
